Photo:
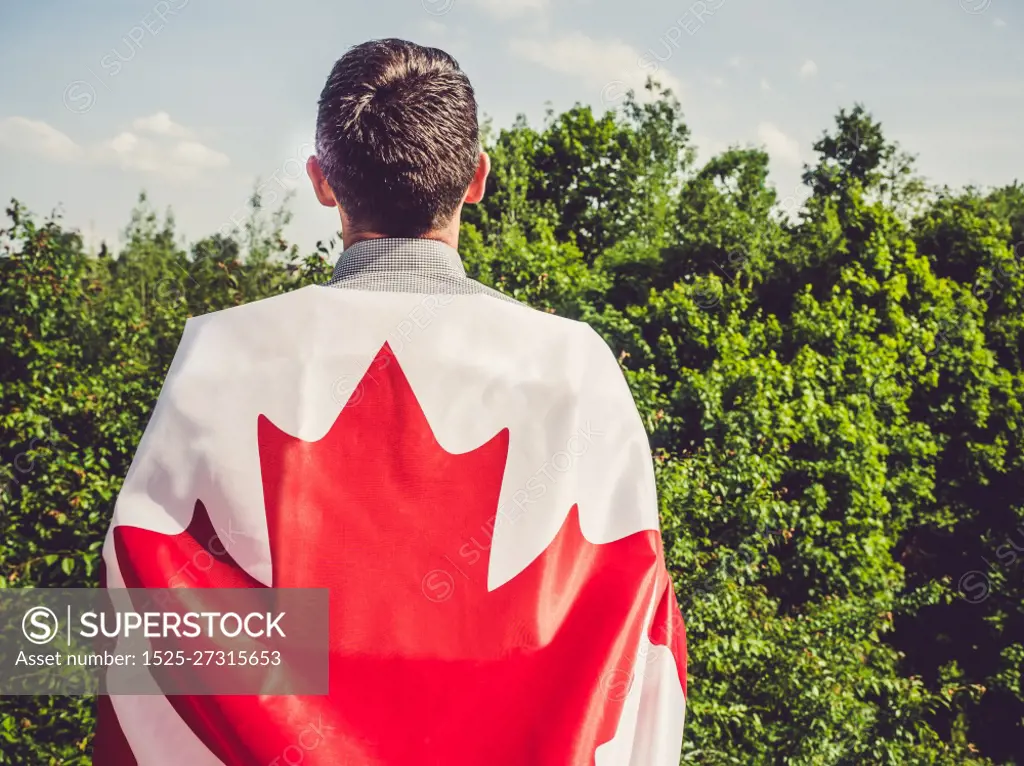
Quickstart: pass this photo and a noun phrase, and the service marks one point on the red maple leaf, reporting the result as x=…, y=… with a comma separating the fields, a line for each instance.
x=427, y=666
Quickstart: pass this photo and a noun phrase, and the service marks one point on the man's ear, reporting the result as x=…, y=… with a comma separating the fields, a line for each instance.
x=478, y=185
x=320, y=186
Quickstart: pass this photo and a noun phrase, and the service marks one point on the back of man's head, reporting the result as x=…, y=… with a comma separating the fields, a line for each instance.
x=397, y=137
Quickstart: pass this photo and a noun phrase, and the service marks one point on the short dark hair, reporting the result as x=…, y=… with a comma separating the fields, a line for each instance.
x=397, y=136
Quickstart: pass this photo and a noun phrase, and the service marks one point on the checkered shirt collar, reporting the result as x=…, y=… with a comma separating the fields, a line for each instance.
x=392, y=254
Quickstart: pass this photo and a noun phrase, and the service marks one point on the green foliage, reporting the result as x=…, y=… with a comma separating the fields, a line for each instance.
x=835, y=400
x=85, y=345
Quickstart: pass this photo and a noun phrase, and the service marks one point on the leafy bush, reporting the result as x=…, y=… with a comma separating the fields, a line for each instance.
x=834, y=395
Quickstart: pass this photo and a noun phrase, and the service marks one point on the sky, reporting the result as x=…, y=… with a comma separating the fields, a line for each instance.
x=194, y=100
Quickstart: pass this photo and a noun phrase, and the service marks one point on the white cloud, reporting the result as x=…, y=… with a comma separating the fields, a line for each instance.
x=765, y=86
x=778, y=144
x=999, y=23
x=505, y=9
x=167, y=153
x=808, y=69
x=197, y=155
x=609, y=64
x=161, y=124
x=34, y=137
x=181, y=160
x=735, y=62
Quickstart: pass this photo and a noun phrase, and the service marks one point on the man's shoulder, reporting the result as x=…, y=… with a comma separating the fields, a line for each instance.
x=316, y=313
x=312, y=300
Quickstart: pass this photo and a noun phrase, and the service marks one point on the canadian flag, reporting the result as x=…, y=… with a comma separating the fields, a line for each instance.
x=471, y=480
